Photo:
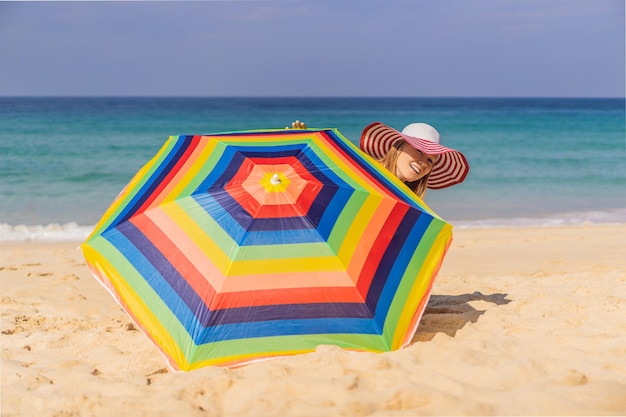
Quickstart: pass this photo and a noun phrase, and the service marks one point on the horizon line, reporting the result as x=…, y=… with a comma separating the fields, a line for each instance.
x=305, y=96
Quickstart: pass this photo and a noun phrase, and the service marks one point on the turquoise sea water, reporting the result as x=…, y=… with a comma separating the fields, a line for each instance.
x=533, y=161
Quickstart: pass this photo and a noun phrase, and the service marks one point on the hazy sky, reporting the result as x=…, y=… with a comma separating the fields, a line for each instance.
x=314, y=48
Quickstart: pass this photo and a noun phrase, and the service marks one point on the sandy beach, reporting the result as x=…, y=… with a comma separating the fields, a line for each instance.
x=522, y=321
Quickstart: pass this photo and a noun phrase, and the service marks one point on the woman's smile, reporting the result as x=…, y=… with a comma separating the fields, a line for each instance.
x=413, y=164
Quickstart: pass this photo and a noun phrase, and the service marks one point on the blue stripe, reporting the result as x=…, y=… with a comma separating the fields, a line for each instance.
x=231, y=218
x=159, y=274
x=359, y=159
x=166, y=166
x=288, y=328
x=390, y=276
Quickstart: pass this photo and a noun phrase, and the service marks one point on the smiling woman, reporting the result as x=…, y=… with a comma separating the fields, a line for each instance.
x=415, y=156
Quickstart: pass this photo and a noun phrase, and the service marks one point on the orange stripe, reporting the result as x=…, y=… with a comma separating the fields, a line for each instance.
x=210, y=273
x=283, y=296
x=182, y=173
x=336, y=279
x=370, y=234
x=176, y=257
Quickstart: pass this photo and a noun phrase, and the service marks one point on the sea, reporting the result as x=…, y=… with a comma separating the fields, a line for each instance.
x=533, y=161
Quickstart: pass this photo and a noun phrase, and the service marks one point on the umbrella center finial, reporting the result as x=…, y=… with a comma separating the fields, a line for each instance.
x=275, y=180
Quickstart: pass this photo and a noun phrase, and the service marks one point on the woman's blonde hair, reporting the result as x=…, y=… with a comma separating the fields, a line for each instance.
x=390, y=160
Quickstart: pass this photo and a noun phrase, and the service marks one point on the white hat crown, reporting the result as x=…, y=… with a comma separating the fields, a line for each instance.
x=422, y=131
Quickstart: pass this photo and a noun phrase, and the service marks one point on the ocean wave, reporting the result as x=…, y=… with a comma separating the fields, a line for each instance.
x=611, y=217
x=69, y=232
x=72, y=232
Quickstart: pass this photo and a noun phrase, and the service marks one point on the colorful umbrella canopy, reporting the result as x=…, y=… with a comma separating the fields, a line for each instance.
x=234, y=247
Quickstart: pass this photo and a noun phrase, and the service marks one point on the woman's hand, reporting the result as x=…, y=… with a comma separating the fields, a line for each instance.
x=297, y=125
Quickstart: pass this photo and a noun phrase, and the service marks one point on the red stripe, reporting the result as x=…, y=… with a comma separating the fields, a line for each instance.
x=379, y=247
x=282, y=296
x=175, y=257
x=181, y=162
x=349, y=159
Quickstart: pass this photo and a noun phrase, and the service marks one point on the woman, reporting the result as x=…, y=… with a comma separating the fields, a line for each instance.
x=413, y=155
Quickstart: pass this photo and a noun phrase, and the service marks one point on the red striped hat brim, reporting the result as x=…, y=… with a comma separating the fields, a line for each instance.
x=451, y=167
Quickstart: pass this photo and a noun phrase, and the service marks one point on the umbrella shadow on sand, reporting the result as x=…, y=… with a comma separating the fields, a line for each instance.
x=450, y=313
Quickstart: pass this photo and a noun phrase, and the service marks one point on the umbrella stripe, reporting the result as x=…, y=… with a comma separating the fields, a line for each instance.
x=263, y=233
x=273, y=313
x=140, y=178
x=285, y=295
x=174, y=171
x=352, y=223
x=145, y=308
x=199, y=169
x=160, y=274
x=232, y=352
x=172, y=252
x=308, y=326
x=357, y=250
x=428, y=259
x=400, y=263
x=153, y=182
x=346, y=151
x=395, y=256
x=186, y=172
x=377, y=251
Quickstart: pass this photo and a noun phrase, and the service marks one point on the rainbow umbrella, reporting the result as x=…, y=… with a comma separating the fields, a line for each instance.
x=235, y=247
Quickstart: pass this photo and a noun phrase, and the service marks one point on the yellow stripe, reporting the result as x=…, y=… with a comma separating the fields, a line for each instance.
x=192, y=174
x=285, y=265
x=211, y=250
x=420, y=286
x=223, y=261
x=138, y=309
x=357, y=227
x=137, y=180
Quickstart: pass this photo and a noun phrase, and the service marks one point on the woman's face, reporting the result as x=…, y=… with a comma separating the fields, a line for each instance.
x=413, y=164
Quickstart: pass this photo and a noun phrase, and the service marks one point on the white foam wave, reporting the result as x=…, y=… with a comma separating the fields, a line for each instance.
x=612, y=217
x=69, y=232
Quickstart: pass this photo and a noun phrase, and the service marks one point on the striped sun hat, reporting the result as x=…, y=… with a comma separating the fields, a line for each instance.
x=451, y=167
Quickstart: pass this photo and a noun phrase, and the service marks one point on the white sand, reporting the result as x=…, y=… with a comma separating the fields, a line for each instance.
x=521, y=322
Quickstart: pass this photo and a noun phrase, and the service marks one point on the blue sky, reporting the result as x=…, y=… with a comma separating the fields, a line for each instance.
x=555, y=48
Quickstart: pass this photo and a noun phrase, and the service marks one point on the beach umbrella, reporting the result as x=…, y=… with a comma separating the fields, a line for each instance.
x=235, y=247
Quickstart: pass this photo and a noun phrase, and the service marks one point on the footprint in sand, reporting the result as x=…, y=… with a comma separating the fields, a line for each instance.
x=39, y=274
x=8, y=268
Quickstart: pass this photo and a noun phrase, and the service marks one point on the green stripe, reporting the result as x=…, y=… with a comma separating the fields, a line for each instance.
x=281, y=345
x=130, y=193
x=152, y=300
x=214, y=231
x=420, y=266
